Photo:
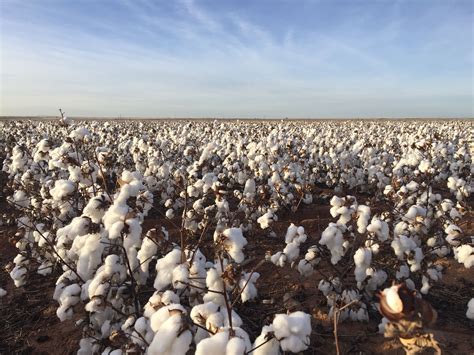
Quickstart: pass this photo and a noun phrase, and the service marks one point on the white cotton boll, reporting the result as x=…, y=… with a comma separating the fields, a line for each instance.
x=424, y=166
x=271, y=347
x=415, y=260
x=180, y=277
x=332, y=238
x=214, y=282
x=305, y=268
x=362, y=260
x=412, y=186
x=393, y=299
x=465, y=255
x=470, y=309
x=3, y=292
x=249, y=189
x=404, y=272
x=62, y=188
x=165, y=267
x=292, y=251
x=233, y=241
x=295, y=234
x=425, y=285
x=18, y=274
x=453, y=231
x=168, y=338
x=79, y=133
x=90, y=255
x=68, y=298
x=293, y=331
x=379, y=228
x=279, y=259
x=161, y=315
x=248, y=281
x=147, y=250
x=169, y=213
x=401, y=245
x=266, y=220
x=363, y=213
x=216, y=344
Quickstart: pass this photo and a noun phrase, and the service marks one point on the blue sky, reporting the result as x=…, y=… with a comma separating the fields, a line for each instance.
x=249, y=58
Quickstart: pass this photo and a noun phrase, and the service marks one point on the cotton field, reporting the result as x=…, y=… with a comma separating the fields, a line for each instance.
x=239, y=237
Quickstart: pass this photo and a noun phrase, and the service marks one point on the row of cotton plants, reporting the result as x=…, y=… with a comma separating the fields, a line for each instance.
x=83, y=191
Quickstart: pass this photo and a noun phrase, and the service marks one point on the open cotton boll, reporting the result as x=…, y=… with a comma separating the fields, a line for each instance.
x=247, y=284
x=214, y=282
x=453, y=232
x=379, y=228
x=470, y=309
x=249, y=189
x=293, y=331
x=266, y=220
x=465, y=255
x=362, y=260
x=169, y=213
x=363, y=213
x=3, y=292
x=233, y=241
x=271, y=347
x=222, y=343
x=169, y=338
x=62, y=188
x=332, y=238
x=165, y=267
x=90, y=255
x=402, y=245
x=295, y=234
x=69, y=297
x=79, y=133
x=158, y=300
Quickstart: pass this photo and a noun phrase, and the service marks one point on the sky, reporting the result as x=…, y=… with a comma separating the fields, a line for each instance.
x=246, y=58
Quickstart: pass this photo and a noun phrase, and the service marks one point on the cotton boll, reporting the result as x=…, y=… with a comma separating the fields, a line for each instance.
x=233, y=241
x=470, y=309
x=169, y=338
x=379, y=228
x=169, y=213
x=293, y=331
x=216, y=344
x=362, y=260
x=2, y=292
x=465, y=255
x=165, y=267
x=363, y=213
x=247, y=284
x=271, y=347
x=266, y=220
x=332, y=238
